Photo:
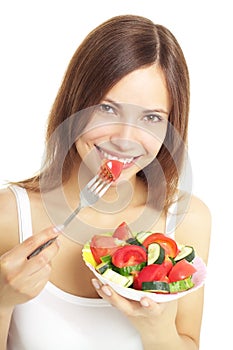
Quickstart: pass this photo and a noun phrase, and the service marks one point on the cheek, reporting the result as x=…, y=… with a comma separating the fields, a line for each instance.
x=93, y=133
x=88, y=156
x=83, y=147
x=152, y=145
x=80, y=145
x=83, y=144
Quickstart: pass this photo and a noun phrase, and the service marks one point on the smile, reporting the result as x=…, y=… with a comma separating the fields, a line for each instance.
x=110, y=156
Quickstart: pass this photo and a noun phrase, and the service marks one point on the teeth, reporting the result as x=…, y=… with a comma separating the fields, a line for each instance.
x=122, y=160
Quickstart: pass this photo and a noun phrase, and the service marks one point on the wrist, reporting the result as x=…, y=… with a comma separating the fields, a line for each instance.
x=160, y=337
x=169, y=339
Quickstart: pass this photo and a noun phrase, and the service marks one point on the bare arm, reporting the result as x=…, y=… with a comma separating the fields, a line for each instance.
x=20, y=279
x=5, y=318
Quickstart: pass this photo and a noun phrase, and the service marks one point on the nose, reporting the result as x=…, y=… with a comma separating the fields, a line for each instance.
x=125, y=137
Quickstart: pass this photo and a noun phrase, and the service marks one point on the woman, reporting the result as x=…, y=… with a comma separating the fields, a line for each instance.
x=125, y=95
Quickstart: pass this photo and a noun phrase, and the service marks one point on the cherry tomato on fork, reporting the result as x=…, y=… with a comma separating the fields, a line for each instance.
x=111, y=169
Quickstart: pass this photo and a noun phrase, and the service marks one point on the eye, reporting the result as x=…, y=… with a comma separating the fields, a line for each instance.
x=152, y=118
x=104, y=107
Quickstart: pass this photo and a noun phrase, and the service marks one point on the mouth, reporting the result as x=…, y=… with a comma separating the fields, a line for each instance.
x=126, y=160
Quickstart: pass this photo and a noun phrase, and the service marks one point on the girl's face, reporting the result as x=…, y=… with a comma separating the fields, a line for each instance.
x=129, y=124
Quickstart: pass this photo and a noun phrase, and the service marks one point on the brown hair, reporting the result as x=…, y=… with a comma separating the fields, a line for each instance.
x=112, y=50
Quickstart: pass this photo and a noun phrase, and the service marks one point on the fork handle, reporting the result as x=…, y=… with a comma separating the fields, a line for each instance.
x=70, y=218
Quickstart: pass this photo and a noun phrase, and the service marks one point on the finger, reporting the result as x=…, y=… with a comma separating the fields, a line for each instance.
x=147, y=303
x=35, y=243
x=23, y=250
x=41, y=247
x=129, y=307
x=38, y=262
x=27, y=287
x=15, y=262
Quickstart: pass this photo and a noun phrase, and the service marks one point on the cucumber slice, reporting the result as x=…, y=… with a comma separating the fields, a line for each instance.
x=106, y=258
x=187, y=252
x=141, y=236
x=102, y=267
x=127, y=270
x=134, y=241
x=181, y=286
x=156, y=287
x=155, y=254
x=124, y=281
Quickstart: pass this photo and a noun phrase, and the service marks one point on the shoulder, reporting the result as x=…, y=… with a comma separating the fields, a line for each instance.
x=8, y=220
x=194, y=226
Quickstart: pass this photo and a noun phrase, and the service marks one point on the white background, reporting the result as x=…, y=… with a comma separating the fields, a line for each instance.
x=38, y=39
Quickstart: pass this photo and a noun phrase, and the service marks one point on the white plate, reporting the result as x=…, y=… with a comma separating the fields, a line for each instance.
x=198, y=279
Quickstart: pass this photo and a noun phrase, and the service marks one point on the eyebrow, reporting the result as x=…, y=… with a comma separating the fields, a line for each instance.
x=155, y=110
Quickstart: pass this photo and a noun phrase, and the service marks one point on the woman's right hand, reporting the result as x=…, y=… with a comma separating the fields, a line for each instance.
x=22, y=279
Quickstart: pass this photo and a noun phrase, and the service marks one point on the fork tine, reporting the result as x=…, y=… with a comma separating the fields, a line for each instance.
x=104, y=189
x=92, y=181
x=97, y=187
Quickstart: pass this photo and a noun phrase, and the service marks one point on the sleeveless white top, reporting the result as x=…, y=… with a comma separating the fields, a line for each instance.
x=56, y=320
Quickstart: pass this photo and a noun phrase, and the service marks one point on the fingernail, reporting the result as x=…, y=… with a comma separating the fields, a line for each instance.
x=95, y=283
x=58, y=229
x=106, y=291
x=144, y=303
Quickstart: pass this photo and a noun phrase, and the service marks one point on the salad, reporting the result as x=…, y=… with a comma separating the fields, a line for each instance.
x=145, y=261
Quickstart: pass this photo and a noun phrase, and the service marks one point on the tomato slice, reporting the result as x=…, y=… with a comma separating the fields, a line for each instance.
x=150, y=273
x=181, y=270
x=123, y=232
x=167, y=264
x=129, y=255
x=169, y=245
x=102, y=245
x=111, y=169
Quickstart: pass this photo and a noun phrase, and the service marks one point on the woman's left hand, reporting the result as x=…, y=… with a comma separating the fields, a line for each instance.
x=146, y=315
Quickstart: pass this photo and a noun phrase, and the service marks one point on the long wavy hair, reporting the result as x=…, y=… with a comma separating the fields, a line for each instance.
x=115, y=48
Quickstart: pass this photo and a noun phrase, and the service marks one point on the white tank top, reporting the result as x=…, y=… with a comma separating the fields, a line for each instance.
x=56, y=320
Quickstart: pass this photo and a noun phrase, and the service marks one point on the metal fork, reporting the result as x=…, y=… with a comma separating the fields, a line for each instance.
x=89, y=195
